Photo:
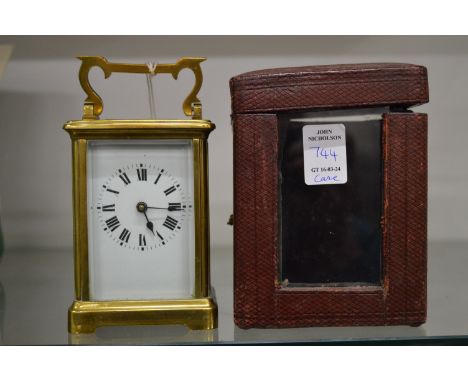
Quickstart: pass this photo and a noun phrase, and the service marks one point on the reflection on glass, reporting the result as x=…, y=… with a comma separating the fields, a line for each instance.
x=331, y=234
x=345, y=334
x=1, y=242
x=144, y=335
x=2, y=311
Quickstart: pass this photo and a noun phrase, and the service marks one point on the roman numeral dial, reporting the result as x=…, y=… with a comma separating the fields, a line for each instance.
x=175, y=206
x=113, y=223
x=125, y=235
x=143, y=208
x=170, y=190
x=109, y=208
x=142, y=240
x=142, y=173
x=170, y=223
x=124, y=177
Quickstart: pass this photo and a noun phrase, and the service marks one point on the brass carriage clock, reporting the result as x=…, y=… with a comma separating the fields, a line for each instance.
x=141, y=221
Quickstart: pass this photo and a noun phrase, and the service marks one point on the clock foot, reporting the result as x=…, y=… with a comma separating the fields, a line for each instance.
x=196, y=314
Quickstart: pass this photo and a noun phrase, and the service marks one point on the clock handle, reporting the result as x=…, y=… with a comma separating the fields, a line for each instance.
x=93, y=105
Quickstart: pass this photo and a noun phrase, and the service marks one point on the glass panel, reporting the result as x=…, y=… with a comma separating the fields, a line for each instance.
x=141, y=221
x=330, y=233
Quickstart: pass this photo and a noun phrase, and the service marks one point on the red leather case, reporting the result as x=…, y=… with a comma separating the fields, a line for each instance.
x=258, y=98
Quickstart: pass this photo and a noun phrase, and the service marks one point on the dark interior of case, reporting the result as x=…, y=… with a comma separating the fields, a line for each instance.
x=331, y=234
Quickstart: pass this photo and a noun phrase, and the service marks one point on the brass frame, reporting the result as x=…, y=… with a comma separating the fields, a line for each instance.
x=199, y=312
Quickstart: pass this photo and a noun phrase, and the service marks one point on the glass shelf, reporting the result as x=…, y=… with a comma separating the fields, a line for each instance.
x=36, y=289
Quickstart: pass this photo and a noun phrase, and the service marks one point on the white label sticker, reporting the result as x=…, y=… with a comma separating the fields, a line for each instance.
x=324, y=154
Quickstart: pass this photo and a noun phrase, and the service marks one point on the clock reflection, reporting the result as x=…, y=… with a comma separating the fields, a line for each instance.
x=144, y=335
x=330, y=233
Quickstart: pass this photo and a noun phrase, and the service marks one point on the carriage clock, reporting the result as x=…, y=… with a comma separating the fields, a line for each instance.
x=141, y=220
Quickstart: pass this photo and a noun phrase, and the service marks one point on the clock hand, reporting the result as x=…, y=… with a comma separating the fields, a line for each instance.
x=149, y=224
x=142, y=207
x=170, y=208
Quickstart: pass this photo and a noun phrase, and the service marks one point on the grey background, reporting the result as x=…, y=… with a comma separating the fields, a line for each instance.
x=40, y=91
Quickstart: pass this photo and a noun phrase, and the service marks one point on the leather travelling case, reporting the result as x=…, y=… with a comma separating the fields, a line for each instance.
x=325, y=254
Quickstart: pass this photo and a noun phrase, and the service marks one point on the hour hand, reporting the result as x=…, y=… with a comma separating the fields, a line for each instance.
x=150, y=225
x=142, y=207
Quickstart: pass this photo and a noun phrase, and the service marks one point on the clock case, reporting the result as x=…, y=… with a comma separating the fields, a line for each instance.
x=260, y=100
x=199, y=312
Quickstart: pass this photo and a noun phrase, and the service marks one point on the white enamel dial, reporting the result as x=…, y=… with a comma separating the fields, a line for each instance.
x=142, y=207
x=140, y=200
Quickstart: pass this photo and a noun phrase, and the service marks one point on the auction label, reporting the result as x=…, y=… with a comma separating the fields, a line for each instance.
x=324, y=154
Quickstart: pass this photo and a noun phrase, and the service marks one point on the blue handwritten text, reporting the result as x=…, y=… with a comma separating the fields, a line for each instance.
x=323, y=152
x=325, y=178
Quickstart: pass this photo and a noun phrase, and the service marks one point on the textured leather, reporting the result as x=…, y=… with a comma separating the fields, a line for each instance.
x=259, y=298
x=329, y=86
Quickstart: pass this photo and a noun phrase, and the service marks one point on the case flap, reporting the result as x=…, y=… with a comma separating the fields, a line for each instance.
x=329, y=86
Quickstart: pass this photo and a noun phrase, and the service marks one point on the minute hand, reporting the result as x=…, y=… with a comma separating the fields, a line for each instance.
x=171, y=208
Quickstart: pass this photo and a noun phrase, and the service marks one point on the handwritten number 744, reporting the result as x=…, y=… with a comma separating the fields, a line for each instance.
x=323, y=152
